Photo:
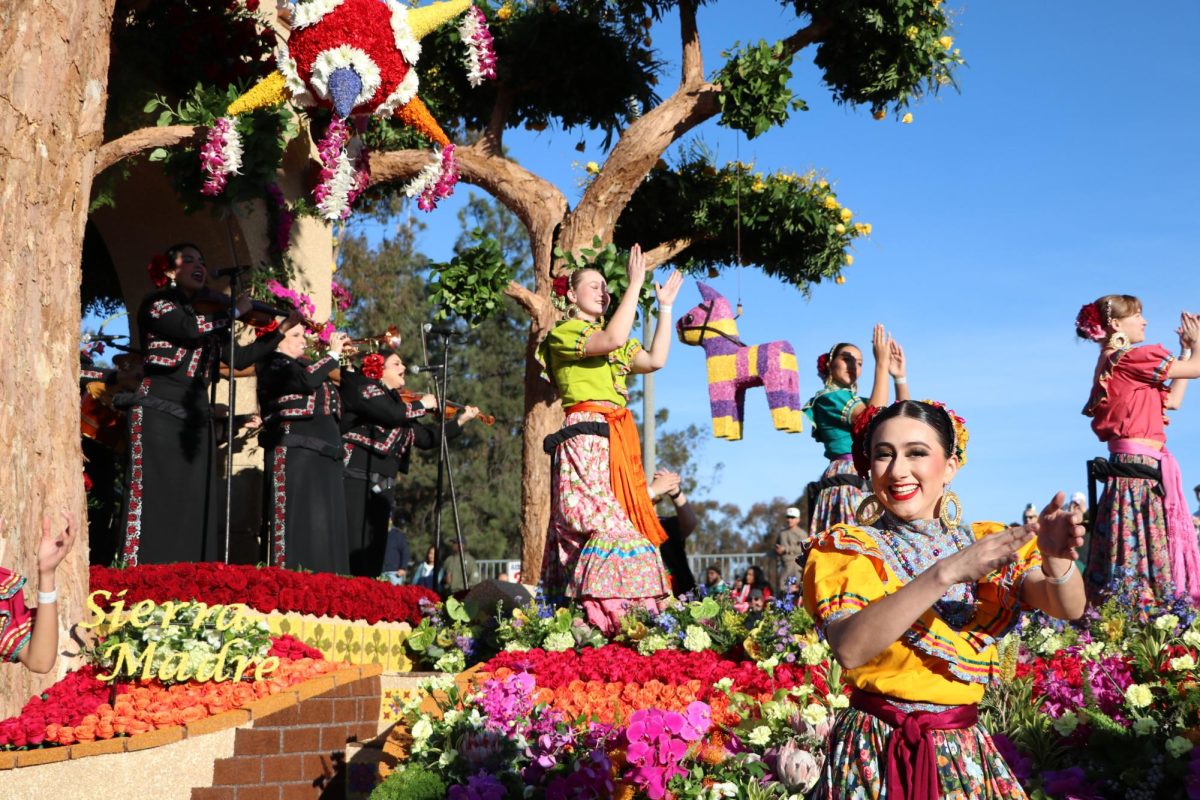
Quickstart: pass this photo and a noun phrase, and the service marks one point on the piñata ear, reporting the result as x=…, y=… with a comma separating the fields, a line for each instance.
x=270, y=91
x=707, y=292
x=425, y=20
x=415, y=114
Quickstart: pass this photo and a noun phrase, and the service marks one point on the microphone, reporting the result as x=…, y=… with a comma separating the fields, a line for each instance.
x=439, y=330
x=229, y=272
x=102, y=337
x=417, y=369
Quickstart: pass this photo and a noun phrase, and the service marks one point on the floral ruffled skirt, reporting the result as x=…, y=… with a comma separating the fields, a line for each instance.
x=969, y=765
x=836, y=504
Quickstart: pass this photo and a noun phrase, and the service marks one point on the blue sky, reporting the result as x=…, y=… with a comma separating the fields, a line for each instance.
x=1066, y=168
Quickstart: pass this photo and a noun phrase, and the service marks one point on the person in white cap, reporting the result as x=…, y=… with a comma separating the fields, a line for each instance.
x=1078, y=503
x=786, y=547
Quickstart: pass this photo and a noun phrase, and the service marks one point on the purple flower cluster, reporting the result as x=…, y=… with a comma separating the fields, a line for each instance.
x=506, y=701
x=1070, y=784
x=300, y=301
x=658, y=741
x=480, y=786
x=590, y=780
x=341, y=296
x=286, y=218
x=213, y=157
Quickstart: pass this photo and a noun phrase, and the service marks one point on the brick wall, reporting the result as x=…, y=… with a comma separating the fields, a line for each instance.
x=297, y=751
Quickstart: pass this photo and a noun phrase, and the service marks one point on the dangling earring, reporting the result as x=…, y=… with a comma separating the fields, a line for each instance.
x=949, y=498
x=869, y=510
x=1118, y=341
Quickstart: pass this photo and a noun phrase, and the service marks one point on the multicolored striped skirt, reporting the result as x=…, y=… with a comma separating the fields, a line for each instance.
x=836, y=504
x=969, y=765
x=1129, y=538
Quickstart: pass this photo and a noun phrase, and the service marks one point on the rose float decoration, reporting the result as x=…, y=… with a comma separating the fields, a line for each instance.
x=358, y=58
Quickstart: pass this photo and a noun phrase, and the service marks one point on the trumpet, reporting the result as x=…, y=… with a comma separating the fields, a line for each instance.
x=390, y=339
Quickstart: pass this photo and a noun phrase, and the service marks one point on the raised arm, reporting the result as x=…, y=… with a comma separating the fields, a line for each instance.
x=654, y=358
x=883, y=356
x=897, y=369
x=1057, y=588
x=615, y=334
x=1188, y=364
x=857, y=639
x=40, y=654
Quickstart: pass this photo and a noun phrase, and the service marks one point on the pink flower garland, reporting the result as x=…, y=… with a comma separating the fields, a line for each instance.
x=481, y=54
x=221, y=156
x=342, y=179
x=439, y=183
x=341, y=296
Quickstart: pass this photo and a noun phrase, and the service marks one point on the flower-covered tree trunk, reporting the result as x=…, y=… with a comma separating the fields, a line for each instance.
x=53, y=78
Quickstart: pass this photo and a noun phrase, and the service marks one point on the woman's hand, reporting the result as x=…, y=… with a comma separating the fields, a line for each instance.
x=986, y=555
x=636, y=269
x=337, y=341
x=667, y=292
x=1060, y=532
x=1188, y=330
x=879, y=346
x=53, y=548
x=467, y=414
x=896, y=364
x=429, y=402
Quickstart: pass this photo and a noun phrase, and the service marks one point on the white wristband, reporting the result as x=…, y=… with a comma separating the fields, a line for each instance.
x=1059, y=581
x=46, y=598
x=1185, y=354
x=664, y=309
x=901, y=380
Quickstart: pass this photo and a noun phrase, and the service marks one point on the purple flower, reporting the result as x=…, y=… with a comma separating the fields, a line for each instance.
x=1069, y=784
x=480, y=786
x=1021, y=766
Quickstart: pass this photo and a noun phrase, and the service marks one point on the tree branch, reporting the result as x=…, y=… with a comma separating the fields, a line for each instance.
x=693, y=62
x=494, y=135
x=141, y=140
x=536, y=202
x=806, y=36
x=533, y=303
x=667, y=251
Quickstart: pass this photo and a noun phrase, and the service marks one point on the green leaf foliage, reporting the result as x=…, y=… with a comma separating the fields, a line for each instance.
x=413, y=782
x=755, y=95
x=882, y=53
x=471, y=285
x=792, y=226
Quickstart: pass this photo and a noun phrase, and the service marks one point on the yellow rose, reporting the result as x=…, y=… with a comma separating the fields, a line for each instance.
x=839, y=280
x=911, y=31
x=879, y=113
x=907, y=118
x=592, y=167
x=849, y=259
x=505, y=11
x=846, y=214
x=831, y=202
x=839, y=228
x=946, y=42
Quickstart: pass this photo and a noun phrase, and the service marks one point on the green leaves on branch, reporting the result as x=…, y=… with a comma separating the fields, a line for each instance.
x=613, y=263
x=472, y=284
x=791, y=226
x=755, y=95
x=265, y=133
x=883, y=53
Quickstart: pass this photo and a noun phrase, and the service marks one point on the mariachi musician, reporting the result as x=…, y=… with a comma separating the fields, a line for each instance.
x=171, y=504
x=379, y=430
x=103, y=432
x=304, y=503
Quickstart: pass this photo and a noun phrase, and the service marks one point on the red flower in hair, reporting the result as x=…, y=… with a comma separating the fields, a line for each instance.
x=270, y=327
x=562, y=285
x=862, y=458
x=372, y=366
x=823, y=366
x=157, y=269
x=1089, y=323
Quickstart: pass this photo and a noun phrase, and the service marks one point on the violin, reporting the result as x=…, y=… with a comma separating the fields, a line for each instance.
x=210, y=301
x=452, y=409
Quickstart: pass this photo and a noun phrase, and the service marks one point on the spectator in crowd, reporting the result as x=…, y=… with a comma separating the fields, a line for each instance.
x=713, y=583
x=396, y=553
x=1029, y=518
x=452, y=570
x=1078, y=503
x=753, y=579
x=423, y=573
x=786, y=546
x=757, y=601
x=678, y=527
x=504, y=577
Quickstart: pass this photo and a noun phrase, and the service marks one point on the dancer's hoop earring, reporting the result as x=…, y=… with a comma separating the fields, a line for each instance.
x=1119, y=340
x=869, y=510
x=949, y=498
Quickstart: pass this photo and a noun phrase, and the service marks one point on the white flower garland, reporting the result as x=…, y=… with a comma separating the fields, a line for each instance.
x=480, y=58
x=291, y=77
x=327, y=61
x=333, y=205
x=426, y=178
x=405, y=91
x=406, y=43
x=312, y=12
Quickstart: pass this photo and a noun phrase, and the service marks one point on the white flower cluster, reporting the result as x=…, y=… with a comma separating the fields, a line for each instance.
x=333, y=205
x=311, y=12
x=328, y=61
x=406, y=43
x=301, y=96
x=406, y=90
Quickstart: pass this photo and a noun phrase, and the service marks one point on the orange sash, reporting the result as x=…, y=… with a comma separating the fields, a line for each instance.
x=625, y=466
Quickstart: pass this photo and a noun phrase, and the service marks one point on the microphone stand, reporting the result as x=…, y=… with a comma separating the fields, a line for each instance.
x=444, y=468
x=234, y=290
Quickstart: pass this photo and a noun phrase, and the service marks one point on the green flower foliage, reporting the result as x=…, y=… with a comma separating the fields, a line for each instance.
x=412, y=782
x=755, y=95
x=882, y=53
x=613, y=263
x=792, y=226
x=265, y=133
x=471, y=285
